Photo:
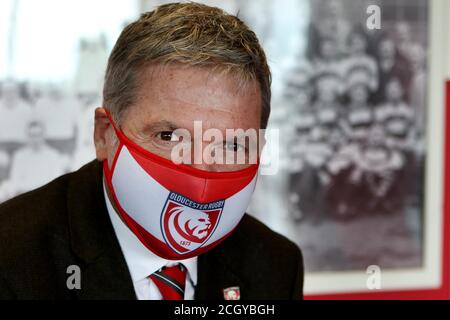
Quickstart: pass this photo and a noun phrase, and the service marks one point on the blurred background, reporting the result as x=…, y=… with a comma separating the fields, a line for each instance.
x=350, y=104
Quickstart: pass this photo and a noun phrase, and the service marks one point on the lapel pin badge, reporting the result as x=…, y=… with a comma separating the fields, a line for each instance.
x=232, y=293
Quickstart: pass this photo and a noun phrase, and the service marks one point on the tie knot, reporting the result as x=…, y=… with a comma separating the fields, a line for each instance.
x=170, y=281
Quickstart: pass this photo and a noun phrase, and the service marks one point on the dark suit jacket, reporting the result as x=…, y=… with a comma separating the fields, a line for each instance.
x=66, y=223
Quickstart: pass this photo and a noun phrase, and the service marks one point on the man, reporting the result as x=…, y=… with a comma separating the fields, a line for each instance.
x=15, y=114
x=133, y=224
x=34, y=164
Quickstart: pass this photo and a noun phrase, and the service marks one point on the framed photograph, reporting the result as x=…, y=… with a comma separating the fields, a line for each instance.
x=361, y=181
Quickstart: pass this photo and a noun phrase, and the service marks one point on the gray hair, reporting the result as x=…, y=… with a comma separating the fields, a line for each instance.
x=190, y=34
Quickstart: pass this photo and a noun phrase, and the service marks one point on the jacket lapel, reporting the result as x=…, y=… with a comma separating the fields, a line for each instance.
x=104, y=272
x=220, y=269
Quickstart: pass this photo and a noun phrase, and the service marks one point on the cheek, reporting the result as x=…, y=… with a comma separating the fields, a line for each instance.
x=112, y=145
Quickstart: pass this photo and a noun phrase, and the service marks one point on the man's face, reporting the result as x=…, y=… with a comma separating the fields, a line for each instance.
x=36, y=136
x=173, y=97
x=328, y=50
x=387, y=49
x=394, y=90
x=359, y=94
x=358, y=44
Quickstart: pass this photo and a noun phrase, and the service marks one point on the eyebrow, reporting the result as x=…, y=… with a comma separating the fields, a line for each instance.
x=161, y=125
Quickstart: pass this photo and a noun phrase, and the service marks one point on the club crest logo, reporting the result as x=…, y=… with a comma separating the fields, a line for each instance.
x=186, y=225
x=232, y=293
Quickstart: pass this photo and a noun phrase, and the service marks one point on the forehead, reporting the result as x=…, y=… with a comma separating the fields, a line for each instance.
x=183, y=94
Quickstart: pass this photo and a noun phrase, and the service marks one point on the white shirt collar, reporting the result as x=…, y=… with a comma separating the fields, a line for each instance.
x=141, y=261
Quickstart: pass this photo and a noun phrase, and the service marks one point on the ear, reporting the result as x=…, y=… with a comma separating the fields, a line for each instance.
x=102, y=136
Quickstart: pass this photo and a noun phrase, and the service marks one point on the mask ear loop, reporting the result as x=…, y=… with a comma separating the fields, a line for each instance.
x=109, y=171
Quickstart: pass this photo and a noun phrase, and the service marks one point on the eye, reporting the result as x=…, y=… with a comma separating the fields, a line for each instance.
x=234, y=146
x=168, y=136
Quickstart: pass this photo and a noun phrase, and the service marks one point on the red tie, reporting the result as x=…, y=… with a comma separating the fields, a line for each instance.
x=170, y=282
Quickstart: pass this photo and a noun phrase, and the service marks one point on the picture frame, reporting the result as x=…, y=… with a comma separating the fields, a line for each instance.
x=432, y=280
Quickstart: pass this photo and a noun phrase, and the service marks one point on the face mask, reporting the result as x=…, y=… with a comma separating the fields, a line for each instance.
x=175, y=210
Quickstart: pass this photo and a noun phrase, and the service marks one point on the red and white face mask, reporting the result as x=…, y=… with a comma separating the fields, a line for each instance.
x=175, y=210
